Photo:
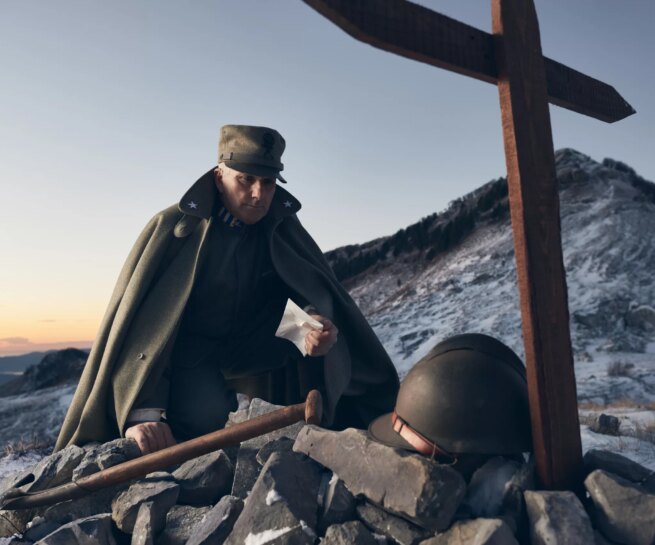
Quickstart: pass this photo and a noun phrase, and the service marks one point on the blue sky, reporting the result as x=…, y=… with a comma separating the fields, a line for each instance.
x=110, y=110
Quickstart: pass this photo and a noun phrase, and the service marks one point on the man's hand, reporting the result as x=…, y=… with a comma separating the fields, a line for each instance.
x=319, y=343
x=151, y=436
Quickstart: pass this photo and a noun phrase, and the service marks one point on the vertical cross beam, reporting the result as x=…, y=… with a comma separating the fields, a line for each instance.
x=534, y=209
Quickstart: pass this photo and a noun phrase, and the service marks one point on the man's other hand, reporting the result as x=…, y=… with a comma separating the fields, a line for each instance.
x=319, y=343
x=151, y=436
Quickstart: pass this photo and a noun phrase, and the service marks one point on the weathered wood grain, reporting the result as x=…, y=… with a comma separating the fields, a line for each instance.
x=534, y=209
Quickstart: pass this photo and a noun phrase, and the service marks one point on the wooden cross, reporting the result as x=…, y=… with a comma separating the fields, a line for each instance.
x=527, y=81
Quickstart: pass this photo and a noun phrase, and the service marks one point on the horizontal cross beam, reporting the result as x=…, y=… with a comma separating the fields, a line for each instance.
x=418, y=33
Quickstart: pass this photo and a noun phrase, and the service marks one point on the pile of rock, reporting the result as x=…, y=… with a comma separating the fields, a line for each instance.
x=308, y=485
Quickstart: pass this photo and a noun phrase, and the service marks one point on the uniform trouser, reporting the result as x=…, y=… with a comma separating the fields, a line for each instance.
x=199, y=399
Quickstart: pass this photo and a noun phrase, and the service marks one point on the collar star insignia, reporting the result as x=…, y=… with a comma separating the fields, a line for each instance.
x=192, y=205
x=287, y=204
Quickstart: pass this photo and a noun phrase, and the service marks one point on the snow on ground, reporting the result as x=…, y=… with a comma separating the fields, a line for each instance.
x=642, y=452
x=35, y=417
x=13, y=463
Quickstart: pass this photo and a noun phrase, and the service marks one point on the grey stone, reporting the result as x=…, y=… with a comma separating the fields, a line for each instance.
x=233, y=418
x=496, y=491
x=475, y=532
x=641, y=317
x=403, y=483
x=557, y=517
x=105, y=455
x=15, y=540
x=617, y=464
x=180, y=523
x=51, y=471
x=236, y=417
x=349, y=533
x=277, y=445
x=336, y=503
x=86, y=506
x=606, y=424
x=95, y=530
x=487, y=488
x=398, y=529
x=514, y=513
x=217, y=523
x=599, y=539
x=204, y=480
x=282, y=505
x=12, y=522
x=38, y=528
x=149, y=522
x=624, y=511
x=247, y=469
x=125, y=506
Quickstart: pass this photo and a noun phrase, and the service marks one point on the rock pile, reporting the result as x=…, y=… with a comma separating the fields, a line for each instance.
x=308, y=485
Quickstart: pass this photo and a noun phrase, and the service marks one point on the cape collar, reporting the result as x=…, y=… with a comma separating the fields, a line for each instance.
x=199, y=200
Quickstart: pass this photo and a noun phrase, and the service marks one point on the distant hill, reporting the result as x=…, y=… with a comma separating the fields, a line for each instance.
x=56, y=368
x=22, y=362
x=13, y=366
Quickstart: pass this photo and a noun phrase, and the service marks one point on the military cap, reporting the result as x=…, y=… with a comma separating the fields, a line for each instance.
x=251, y=149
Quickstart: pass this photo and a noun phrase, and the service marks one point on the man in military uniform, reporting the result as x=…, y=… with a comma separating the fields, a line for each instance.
x=195, y=310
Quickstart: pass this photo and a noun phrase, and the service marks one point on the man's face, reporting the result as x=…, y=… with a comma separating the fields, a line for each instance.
x=246, y=197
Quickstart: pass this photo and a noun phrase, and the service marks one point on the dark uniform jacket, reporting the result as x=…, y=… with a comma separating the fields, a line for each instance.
x=358, y=380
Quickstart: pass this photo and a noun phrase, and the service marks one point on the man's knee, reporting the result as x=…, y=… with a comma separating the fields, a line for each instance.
x=200, y=408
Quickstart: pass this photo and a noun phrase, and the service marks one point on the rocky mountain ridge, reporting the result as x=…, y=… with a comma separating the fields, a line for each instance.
x=56, y=368
x=454, y=272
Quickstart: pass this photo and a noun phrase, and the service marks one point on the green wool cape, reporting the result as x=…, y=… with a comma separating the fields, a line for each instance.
x=147, y=303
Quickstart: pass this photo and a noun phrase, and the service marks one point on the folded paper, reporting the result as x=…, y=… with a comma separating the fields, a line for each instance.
x=295, y=325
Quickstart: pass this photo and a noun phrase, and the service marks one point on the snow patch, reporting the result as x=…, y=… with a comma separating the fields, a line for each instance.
x=65, y=400
x=14, y=463
x=307, y=529
x=266, y=536
x=34, y=417
x=273, y=497
x=637, y=450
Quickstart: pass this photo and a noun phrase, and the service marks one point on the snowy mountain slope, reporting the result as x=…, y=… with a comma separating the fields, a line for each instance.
x=608, y=217
x=34, y=418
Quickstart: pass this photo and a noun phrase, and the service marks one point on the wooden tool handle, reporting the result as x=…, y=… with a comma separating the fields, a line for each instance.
x=310, y=411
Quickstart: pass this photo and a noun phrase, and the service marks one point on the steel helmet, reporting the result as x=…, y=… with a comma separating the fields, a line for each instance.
x=468, y=395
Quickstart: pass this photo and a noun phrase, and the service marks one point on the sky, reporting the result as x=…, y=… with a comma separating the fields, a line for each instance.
x=111, y=110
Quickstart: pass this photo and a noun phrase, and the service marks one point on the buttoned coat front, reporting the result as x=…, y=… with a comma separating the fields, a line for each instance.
x=150, y=296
